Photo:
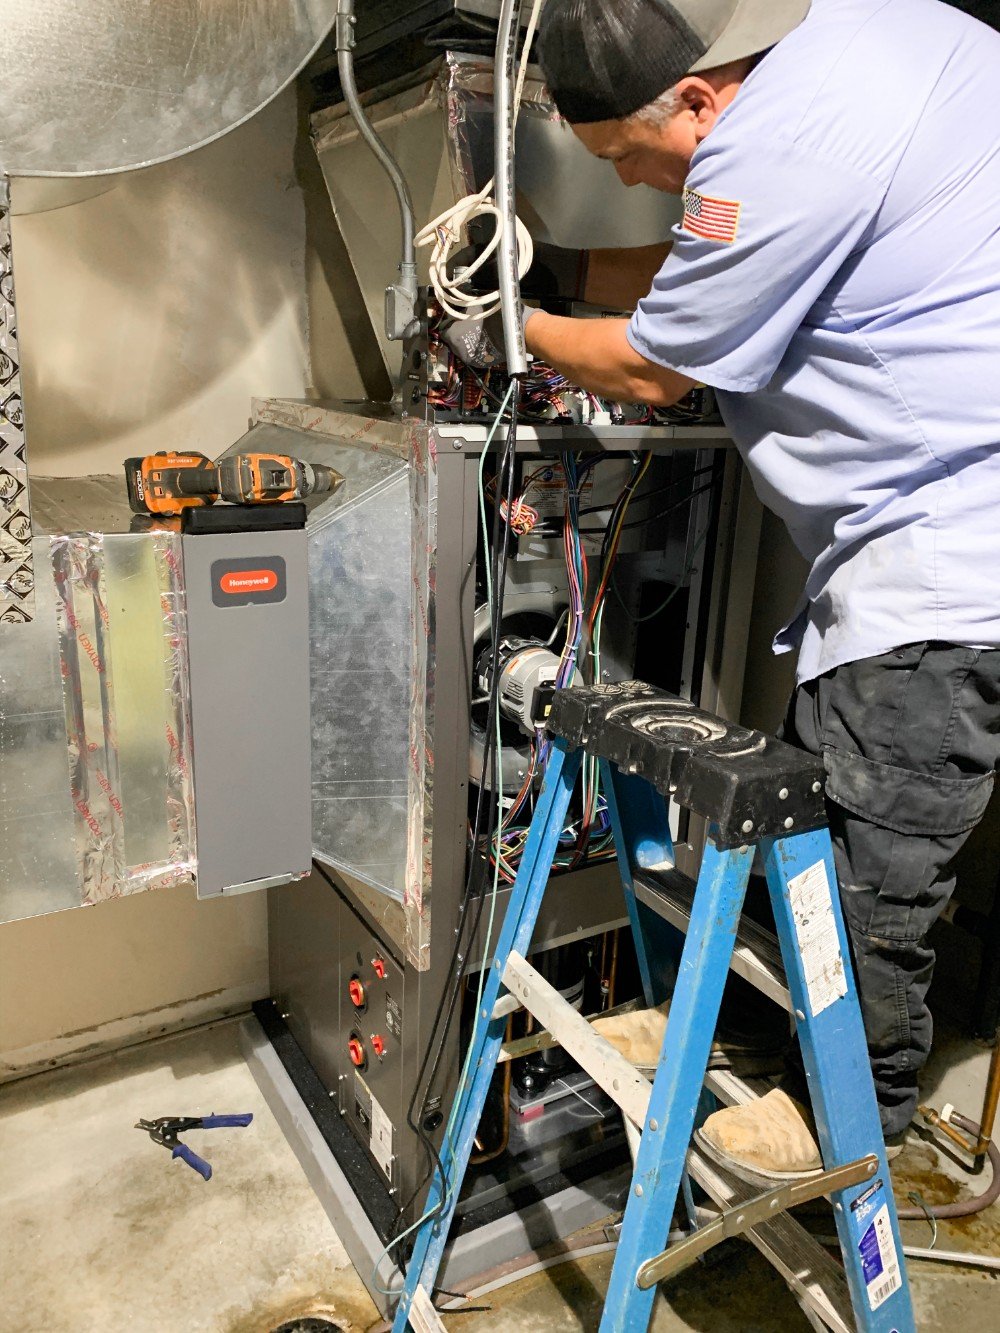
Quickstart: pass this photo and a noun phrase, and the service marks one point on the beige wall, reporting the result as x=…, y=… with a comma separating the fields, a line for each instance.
x=99, y=977
x=149, y=316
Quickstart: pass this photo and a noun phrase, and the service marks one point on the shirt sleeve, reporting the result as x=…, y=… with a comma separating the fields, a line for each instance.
x=766, y=229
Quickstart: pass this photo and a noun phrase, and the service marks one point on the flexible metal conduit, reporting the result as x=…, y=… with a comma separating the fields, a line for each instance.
x=503, y=117
x=398, y=322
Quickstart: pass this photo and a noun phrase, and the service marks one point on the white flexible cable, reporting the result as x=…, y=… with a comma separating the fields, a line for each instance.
x=444, y=233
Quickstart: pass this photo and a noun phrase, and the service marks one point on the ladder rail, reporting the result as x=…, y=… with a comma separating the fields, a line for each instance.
x=802, y=880
x=643, y=841
x=680, y=1076
x=463, y=1122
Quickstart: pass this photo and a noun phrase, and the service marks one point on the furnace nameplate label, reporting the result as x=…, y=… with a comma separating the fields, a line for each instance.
x=370, y=1113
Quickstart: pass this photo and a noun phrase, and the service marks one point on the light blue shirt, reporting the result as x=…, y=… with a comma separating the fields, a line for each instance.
x=852, y=325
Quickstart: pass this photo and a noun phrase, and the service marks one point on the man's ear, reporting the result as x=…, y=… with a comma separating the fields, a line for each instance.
x=701, y=101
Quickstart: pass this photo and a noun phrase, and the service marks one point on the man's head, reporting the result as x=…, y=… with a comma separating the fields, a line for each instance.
x=642, y=82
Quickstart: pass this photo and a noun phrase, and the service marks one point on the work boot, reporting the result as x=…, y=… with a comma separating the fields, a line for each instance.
x=638, y=1035
x=772, y=1139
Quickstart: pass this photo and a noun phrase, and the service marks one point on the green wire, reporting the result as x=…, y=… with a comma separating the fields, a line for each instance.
x=447, y=1143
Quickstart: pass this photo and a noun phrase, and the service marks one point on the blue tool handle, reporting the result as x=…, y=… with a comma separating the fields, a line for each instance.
x=186, y=1155
x=221, y=1121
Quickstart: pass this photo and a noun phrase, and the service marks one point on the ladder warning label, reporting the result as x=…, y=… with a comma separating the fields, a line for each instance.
x=816, y=932
x=879, y=1261
x=877, y=1246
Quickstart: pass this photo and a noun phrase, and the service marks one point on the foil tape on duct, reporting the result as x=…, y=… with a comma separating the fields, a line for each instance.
x=122, y=648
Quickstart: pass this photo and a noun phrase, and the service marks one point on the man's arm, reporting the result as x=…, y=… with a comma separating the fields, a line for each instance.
x=596, y=355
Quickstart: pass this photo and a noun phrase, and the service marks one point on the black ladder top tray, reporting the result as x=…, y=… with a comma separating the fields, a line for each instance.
x=748, y=784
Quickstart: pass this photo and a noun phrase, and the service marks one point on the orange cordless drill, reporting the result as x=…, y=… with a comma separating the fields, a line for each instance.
x=166, y=483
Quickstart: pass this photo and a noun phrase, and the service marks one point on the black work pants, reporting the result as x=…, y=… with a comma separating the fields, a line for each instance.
x=909, y=741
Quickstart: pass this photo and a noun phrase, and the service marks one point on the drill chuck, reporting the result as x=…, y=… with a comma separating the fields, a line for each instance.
x=319, y=480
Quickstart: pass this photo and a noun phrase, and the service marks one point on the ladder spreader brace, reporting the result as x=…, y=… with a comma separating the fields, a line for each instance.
x=756, y=793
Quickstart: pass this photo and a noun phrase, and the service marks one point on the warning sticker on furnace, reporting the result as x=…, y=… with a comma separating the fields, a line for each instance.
x=371, y=1115
x=816, y=932
x=381, y=1137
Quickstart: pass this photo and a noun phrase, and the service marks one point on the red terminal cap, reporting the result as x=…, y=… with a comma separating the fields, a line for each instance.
x=357, y=1053
x=378, y=1045
x=379, y=965
x=357, y=993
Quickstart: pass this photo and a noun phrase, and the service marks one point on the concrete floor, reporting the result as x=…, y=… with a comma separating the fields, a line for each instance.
x=100, y=1232
x=103, y=1233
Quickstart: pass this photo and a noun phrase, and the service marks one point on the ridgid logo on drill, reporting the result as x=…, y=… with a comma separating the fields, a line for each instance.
x=248, y=581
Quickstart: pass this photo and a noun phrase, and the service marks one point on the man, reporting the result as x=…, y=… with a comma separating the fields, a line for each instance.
x=836, y=278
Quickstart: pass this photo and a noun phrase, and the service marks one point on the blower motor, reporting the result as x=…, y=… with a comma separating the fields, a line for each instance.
x=527, y=671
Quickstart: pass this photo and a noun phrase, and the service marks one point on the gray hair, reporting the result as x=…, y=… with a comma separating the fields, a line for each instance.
x=661, y=110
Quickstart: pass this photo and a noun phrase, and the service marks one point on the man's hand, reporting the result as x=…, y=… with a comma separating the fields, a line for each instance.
x=596, y=355
x=592, y=353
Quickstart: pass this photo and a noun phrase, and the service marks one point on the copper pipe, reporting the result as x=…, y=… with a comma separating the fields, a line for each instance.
x=991, y=1102
x=941, y=1126
x=613, y=972
x=975, y=1146
x=481, y=1158
x=964, y=1207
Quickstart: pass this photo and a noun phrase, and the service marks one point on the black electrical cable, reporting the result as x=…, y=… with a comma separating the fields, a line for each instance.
x=487, y=799
x=499, y=570
x=651, y=518
x=655, y=494
x=696, y=548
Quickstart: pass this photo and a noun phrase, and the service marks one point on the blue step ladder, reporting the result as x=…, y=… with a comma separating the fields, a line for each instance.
x=755, y=793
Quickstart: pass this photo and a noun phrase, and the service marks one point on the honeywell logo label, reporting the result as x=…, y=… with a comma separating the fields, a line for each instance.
x=257, y=580
x=248, y=582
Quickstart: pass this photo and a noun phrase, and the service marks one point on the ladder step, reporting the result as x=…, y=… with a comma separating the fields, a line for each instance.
x=756, y=956
x=540, y=1040
x=813, y=1274
x=733, y=1090
x=423, y=1317
x=610, y=1070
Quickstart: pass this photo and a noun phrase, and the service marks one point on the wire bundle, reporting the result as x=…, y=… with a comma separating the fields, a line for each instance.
x=521, y=517
x=444, y=232
x=546, y=395
x=590, y=837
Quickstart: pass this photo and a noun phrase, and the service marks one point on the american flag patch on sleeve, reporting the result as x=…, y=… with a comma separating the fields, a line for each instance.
x=711, y=219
